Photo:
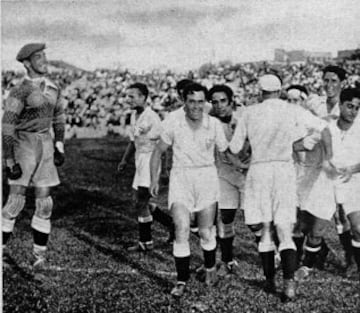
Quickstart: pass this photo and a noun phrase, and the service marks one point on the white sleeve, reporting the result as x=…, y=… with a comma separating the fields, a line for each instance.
x=240, y=134
x=308, y=120
x=167, y=131
x=220, y=138
x=156, y=127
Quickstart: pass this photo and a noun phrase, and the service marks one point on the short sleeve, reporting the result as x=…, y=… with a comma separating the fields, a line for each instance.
x=240, y=134
x=167, y=131
x=220, y=138
x=308, y=120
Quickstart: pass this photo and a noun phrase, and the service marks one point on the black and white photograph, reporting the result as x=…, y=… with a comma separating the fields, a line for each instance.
x=185, y=156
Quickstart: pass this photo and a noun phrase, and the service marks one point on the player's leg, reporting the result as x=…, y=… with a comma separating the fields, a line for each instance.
x=344, y=232
x=266, y=248
x=145, y=220
x=13, y=206
x=314, y=243
x=181, y=247
x=41, y=224
x=164, y=219
x=226, y=233
x=298, y=237
x=354, y=218
x=207, y=233
x=228, y=203
x=287, y=251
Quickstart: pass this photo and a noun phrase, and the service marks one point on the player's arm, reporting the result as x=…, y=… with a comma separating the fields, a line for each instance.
x=12, y=110
x=59, y=121
x=347, y=172
x=155, y=163
x=129, y=152
x=238, y=140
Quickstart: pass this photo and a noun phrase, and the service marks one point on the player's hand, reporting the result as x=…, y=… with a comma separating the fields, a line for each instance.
x=309, y=142
x=330, y=169
x=345, y=174
x=154, y=189
x=59, y=157
x=121, y=166
x=14, y=172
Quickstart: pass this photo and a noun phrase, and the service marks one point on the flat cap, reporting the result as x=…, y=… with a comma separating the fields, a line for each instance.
x=27, y=50
x=270, y=83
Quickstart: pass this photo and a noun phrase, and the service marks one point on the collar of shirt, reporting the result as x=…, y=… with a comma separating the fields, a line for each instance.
x=41, y=79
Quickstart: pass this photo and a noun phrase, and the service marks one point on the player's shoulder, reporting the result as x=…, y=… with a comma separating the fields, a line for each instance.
x=50, y=83
x=21, y=90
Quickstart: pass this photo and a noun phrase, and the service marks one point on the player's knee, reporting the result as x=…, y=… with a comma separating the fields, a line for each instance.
x=226, y=230
x=44, y=207
x=227, y=216
x=182, y=231
x=143, y=194
x=208, y=238
x=181, y=250
x=356, y=231
x=41, y=218
x=255, y=228
x=13, y=206
x=313, y=241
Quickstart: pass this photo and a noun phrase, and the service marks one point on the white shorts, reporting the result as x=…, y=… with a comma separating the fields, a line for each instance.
x=195, y=188
x=348, y=194
x=230, y=195
x=315, y=192
x=270, y=193
x=142, y=173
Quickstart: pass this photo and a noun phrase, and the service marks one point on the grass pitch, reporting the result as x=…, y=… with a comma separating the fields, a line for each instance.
x=90, y=270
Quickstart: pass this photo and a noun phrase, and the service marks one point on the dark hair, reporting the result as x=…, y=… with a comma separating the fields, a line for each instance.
x=348, y=94
x=194, y=87
x=298, y=87
x=141, y=87
x=221, y=88
x=340, y=72
x=180, y=85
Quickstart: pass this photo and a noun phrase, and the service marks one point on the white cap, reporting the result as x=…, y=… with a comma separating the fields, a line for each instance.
x=270, y=82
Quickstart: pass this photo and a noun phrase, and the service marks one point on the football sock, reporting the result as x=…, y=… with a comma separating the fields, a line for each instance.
x=5, y=237
x=288, y=262
x=145, y=229
x=40, y=238
x=356, y=252
x=209, y=258
x=345, y=240
x=310, y=255
x=299, y=243
x=268, y=264
x=182, y=268
x=226, y=247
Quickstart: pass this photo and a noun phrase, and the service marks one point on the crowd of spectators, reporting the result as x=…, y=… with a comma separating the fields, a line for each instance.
x=95, y=101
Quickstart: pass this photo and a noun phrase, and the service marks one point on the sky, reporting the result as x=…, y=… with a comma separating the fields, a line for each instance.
x=180, y=35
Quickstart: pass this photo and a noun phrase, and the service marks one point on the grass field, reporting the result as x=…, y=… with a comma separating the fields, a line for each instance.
x=90, y=270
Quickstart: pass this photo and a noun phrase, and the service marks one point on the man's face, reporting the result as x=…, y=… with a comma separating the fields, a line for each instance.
x=221, y=104
x=134, y=97
x=294, y=96
x=332, y=84
x=349, y=110
x=194, y=105
x=38, y=62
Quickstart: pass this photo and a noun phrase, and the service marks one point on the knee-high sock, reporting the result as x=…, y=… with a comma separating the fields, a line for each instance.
x=145, y=228
x=288, y=261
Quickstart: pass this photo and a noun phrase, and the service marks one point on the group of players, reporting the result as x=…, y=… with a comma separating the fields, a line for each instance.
x=272, y=159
